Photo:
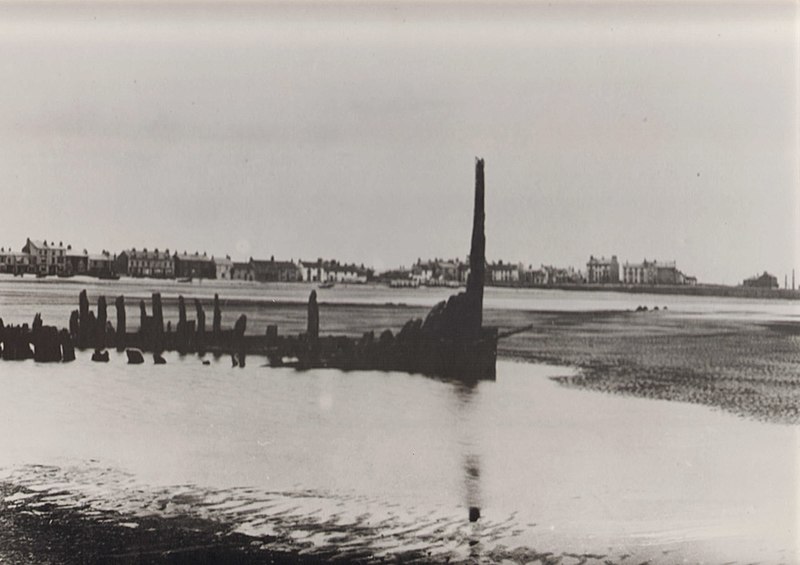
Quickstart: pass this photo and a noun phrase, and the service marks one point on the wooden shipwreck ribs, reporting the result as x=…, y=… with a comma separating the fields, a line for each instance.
x=450, y=342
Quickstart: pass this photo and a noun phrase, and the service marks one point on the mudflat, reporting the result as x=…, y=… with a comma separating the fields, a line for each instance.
x=749, y=367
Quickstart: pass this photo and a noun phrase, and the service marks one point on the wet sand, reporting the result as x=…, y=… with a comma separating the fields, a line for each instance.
x=36, y=528
x=747, y=367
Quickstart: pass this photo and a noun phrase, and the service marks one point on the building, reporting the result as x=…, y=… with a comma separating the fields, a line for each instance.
x=503, y=273
x=241, y=271
x=535, y=277
x=313, y=271
x=562, y=275
x=639, y=273
x=668, y=274
x=344, y=273
x=438, y=272
x=224, y=268
x=196, y=265
x=101, y=264
x=48, y=259
x=602, y=270
x=763, y=281
x=144, y=263
x=77, y=262
x=333, y=271
x=275, y=271
x=422, y=272
x=548, y=275
x=463, y=272
x=655, y=273
x=403, y=282
x=15, y=262
x=446, y=271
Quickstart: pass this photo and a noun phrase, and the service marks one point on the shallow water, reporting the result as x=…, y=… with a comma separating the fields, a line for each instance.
x=55, y=298
x=390, y=461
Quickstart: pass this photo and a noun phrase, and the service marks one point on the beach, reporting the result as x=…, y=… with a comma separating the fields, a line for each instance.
x=609, y=436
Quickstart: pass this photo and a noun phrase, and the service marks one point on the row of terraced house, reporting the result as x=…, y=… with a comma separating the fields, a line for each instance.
x=599, y=271
x=44, y=258
x=300, y=271
x=182, y=265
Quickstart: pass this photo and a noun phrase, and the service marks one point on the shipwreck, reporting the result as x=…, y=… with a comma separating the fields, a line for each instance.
x=450, y=342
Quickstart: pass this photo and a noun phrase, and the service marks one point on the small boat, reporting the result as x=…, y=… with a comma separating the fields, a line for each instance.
x=185, y=280
x=328, y=284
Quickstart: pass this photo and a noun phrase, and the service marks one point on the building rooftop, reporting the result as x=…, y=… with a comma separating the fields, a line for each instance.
x=44, y=244
x=193, y=257
x=148, y=254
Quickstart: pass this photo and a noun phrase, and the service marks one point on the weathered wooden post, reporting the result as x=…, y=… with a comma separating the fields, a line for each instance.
x=191, y=329
x=25, y=343
x=144, y=327
x=67, y=346
x=272, y=334
x=158, y=324
x=100, y=326
x=477, y=261
x=8, y=343
x=312, y=328
x=238, y=339
x=216, y=328
x=91, y=323
x=83, y=327
x=36, y=334
x=16, y=345
x=74, y=326
x=200, y=336
x=121, y=336
x=180, y=337
x=47, y=348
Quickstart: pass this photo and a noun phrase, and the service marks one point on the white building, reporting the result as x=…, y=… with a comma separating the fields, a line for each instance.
x=313, y=271
x=224, y=267
x=47, y=259
x=505, y=272
x=15, y=262
x=602, y=271
x=346, y=274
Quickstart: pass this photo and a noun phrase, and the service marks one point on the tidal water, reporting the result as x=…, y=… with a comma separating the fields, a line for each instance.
x=55, y=298
x=390, y=462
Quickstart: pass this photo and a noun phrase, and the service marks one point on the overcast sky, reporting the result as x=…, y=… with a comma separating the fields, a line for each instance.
x=663, y=130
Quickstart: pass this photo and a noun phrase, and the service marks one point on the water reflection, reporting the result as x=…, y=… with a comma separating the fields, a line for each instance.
x=464, y=394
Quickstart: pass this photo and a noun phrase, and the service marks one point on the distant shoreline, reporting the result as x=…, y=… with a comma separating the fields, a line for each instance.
x=715, y=290
x=723, y=291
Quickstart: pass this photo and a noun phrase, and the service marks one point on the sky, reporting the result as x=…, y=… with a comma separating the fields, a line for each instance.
x=662, y=130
